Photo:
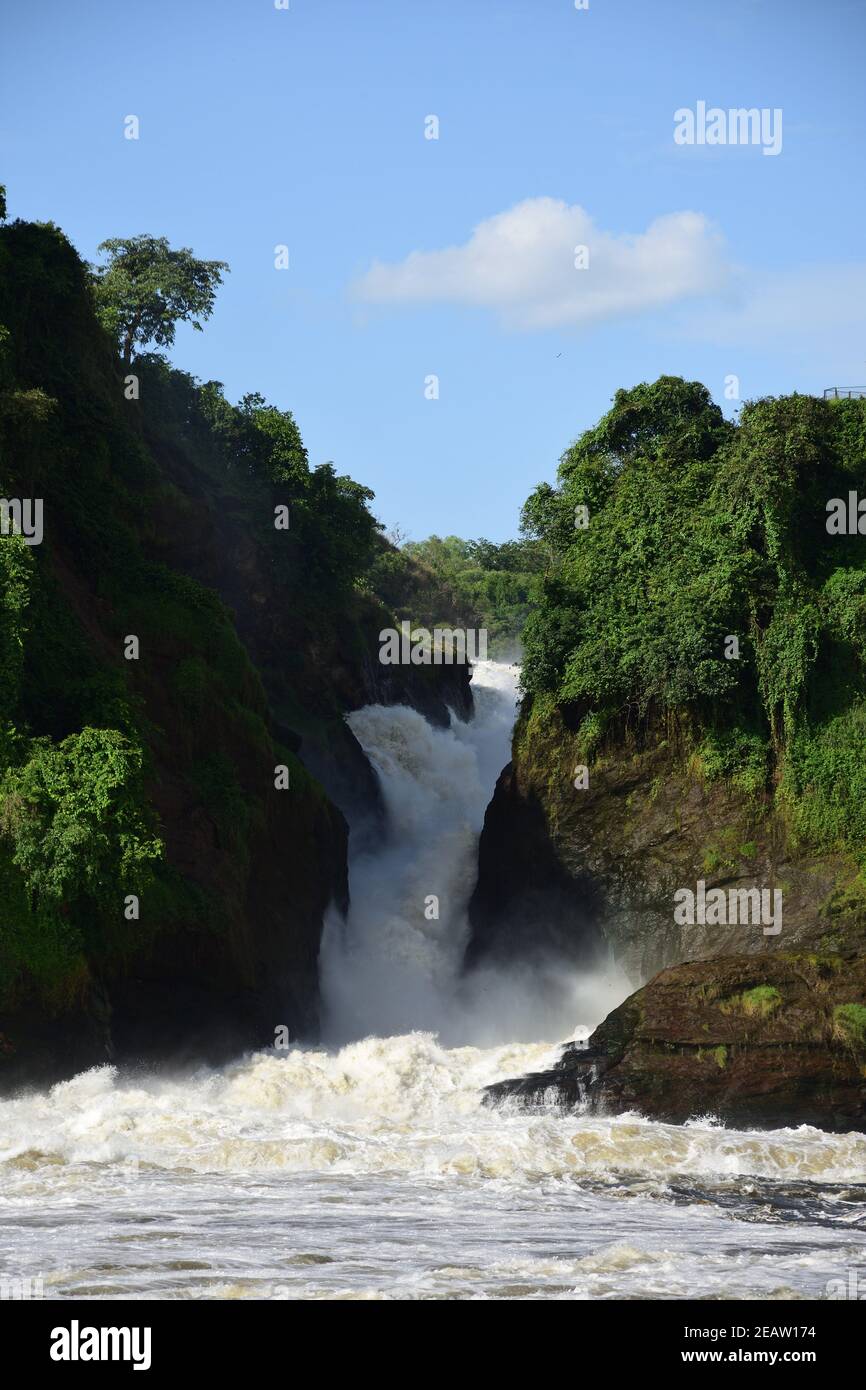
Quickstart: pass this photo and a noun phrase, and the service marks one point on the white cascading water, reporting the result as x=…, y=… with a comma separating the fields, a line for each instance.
x=395, y=967
x=367, y=1167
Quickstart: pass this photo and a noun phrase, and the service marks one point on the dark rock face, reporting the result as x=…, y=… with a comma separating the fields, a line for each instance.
x=437, y=692
x=214, y=998
x=526, y=903
x=617, y=851
x=194, y=990
x=757, y=1043
x=564, y=869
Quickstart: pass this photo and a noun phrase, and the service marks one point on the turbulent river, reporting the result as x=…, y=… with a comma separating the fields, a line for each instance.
x=365, y=1167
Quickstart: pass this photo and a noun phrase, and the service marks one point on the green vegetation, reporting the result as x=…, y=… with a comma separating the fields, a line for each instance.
x=735, y=754
x=759, y=1002
x=145, y=289
x=255, y=451
x=700, y=530
x=849, y=1022
x=73, y=824
x=472, y=584
x=98, y=754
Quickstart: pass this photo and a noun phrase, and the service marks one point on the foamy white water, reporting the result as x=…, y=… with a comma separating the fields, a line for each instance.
x=394, y=967
x=373, y=1172
x=368, y=1169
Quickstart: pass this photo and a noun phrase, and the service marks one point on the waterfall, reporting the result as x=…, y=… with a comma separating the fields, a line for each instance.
x=396, y=964
x=367, y=1167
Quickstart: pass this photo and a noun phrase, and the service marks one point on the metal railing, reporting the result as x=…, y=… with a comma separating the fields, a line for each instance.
x=839, y=393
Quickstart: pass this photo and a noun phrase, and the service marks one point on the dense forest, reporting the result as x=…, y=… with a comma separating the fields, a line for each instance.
x=136, y=781
x=673, y=531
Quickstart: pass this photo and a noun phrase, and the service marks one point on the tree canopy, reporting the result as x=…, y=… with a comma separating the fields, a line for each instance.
x=472, y=583
x=672, y=531
x=146, y=288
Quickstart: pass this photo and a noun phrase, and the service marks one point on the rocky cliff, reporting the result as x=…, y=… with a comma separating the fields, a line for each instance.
x=755, y=1043
x=177, y=779
x=695, y=692
x=597, y=868
x=753, y=1027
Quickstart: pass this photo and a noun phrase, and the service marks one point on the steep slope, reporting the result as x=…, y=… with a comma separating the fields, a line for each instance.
x=169, y=677
x=696, y=694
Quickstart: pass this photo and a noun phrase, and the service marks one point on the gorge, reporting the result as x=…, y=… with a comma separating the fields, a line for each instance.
x=423, y=1133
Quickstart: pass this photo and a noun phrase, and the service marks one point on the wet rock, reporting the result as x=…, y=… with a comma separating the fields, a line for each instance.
x=768, y=1042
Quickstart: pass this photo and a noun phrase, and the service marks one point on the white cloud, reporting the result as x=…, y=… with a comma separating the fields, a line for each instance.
x=521, y=264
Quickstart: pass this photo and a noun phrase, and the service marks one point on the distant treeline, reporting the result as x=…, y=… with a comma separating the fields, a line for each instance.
x=471, y=583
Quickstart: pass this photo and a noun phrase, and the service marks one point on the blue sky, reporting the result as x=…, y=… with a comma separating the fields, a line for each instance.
x=305, y=127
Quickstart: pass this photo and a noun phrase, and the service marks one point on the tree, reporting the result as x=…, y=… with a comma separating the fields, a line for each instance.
x=2, y=202
x=271, y=441
x=146, y=288
x=76, y=818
